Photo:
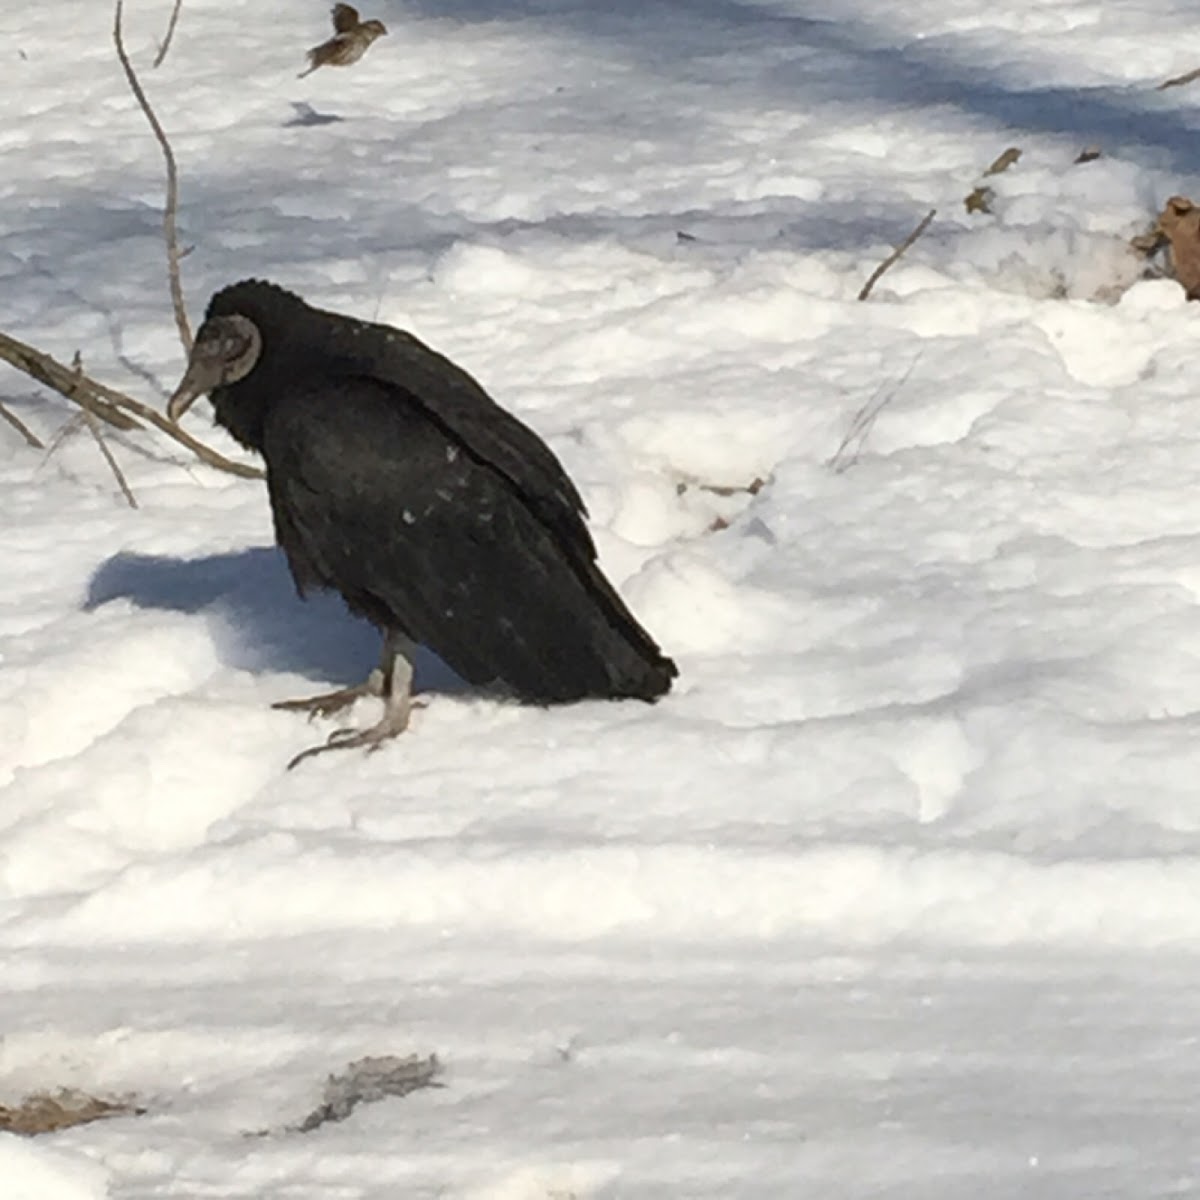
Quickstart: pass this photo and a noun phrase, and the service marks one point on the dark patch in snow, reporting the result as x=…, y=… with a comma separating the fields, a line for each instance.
x=369, y=1080
x=305, y=114
x=258, y=622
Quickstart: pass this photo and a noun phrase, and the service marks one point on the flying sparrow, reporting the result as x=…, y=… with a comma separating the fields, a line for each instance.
x=349, y=43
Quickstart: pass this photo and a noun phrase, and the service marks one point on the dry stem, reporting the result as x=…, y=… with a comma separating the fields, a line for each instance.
x=172, y=201
x=105, y=403
x=895, y=254
x=199, y=449
x=94, y=429
x=22, y=428
x=97, y=401
x=166, y=45
x=1179, y=80
x=846, y=455
x=110, y=405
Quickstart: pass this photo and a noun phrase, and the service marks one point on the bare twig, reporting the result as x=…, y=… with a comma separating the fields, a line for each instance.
x=94, y=428
x=199, y=449
x=895, y=254
x=1179, y=80
x=172, y=201
x=109, y=404
x=106, y=404
x=166, y=44
x=68, y=427
x=30, y=437
x=846, y=455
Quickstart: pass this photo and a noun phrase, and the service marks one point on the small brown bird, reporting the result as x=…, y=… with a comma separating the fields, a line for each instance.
x=349, y=43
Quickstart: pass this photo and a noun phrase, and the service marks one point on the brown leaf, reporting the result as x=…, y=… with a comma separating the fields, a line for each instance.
x=1005, y=161
x=1179, y=223
x=42, y=1112
x=980, y=200
x=755, y=486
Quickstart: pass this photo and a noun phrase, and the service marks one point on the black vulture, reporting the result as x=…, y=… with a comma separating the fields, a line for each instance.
x=397, y=481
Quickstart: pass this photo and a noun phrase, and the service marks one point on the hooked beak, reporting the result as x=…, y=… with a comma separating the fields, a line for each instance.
x=226, y=351
x=200, y=377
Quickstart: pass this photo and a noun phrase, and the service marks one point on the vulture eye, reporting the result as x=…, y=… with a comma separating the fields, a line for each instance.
x=229, y=347
x=230, y=343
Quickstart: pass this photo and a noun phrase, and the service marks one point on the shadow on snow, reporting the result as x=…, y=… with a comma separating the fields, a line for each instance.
x=853, y=60
x=258, y=622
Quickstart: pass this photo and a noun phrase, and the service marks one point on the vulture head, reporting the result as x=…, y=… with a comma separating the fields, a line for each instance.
x=227, y=349
x=248, y=349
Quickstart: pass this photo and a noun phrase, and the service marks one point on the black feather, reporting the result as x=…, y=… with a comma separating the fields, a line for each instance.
x=397, y=481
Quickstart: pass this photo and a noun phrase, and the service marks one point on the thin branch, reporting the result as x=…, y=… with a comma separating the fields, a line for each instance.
x=895, y=254
x=172, y=201
x=166, y=45
x=68, y=427
x=109, y=404
x=1179, y=80
x=94, y=429
x=30, y=437
x=846, y=455
x=106, y=404
x=199, y=449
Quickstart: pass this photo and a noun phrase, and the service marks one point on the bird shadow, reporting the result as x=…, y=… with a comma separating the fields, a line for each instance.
x=257, y=621
x=305, y=114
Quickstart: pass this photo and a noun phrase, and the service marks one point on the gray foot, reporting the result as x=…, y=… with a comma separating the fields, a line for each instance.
x=328, y=703
x=395, y=722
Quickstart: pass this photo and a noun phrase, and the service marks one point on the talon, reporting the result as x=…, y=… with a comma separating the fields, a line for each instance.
x=393, y=723
x=297, y=759
x=328, y=703
x=393, y=682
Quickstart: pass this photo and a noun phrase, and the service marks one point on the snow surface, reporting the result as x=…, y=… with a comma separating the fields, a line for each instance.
x=899, y=893
x=34, y=1173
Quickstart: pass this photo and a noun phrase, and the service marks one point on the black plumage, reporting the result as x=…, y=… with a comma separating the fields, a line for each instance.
x=397, y=481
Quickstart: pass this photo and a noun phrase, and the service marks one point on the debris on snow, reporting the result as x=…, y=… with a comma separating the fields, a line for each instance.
x=368, y=1080
x=45, y=1112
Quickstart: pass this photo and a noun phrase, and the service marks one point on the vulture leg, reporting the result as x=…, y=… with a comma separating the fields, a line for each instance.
x=395, y=677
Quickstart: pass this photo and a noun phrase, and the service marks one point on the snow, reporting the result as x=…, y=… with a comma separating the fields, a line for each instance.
x=898, y=893
x=34, y=1173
